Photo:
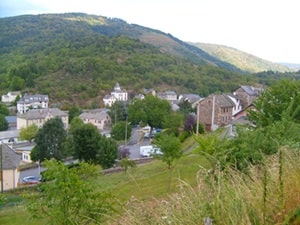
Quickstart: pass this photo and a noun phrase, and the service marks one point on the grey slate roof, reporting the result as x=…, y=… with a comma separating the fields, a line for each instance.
x=33, y=98
x=11, y=119
x=42, y=113
x=96, y=115
x=251, y=90
x=222, y=100
x=11, y=160
x=190, y=97
x=9, y=134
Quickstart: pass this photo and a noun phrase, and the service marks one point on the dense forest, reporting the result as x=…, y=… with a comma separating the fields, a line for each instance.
x=77, y=59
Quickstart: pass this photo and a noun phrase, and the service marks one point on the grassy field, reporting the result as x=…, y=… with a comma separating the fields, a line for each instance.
x=145, y=182
x=152, y=194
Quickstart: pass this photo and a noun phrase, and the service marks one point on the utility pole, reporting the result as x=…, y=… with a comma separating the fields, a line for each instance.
x=126, y=129
x=1, y=168
x=198, y=114
x=213, y=114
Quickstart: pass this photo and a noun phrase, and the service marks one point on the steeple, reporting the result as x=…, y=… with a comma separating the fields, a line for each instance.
x=117, y=87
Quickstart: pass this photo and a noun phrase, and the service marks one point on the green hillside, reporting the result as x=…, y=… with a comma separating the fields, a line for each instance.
x=77, y=59
x=241, y=60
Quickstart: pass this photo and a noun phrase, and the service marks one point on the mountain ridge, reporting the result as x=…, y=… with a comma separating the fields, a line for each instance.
x=242, y=60
x=77, y=58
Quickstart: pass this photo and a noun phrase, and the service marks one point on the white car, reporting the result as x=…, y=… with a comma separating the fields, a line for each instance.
x=149, y=150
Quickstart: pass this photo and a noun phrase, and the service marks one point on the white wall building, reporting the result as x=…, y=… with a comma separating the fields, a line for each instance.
x=171, y=96
x=98, y=118
x=117, y=94
x=40, y=116
x=32, y=102
x=10, y=96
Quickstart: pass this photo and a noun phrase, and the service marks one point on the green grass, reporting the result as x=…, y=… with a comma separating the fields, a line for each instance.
x=152, y=194
x=145, y=182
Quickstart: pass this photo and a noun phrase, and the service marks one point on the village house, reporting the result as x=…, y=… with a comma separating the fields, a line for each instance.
x=216, y=111
x=97, y=117
x=9, y=136
x=149, y=91
x=170, y=96
x=24, y=149
x=10, y=97
x=32, y=102
x=191, y=98
x=10, y=174
x=247, y=94
x=40, y=116
x=117, y=94
x=237, y=104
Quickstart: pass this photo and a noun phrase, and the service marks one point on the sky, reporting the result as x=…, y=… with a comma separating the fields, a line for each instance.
x=268, y=29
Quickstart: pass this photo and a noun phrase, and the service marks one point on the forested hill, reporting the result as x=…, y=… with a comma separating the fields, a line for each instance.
x=242, y=60
x=77, y=59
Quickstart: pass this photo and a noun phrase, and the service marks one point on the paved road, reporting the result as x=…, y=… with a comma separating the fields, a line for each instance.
x=137, y=139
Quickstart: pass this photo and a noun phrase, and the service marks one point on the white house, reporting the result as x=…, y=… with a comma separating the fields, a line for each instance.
x=24, y=149
x=168, y=95
x=10, y=96
x=237, y=104
x=32, y=102
x=40, y=116
x=98, y=118
x=117, y=94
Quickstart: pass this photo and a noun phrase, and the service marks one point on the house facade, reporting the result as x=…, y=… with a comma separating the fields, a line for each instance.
x=10, y=176
x=117, y=94
x=24, y=149
x=170, y=96
x=32, y=102
x=10, y=96
x=40, y=116
x=247, y=94
x=98, y=118
x=215, y=111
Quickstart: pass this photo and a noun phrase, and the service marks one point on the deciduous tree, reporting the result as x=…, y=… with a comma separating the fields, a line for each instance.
x=73, y=197
x=86, y=142
x=50, y=141
x=107, y=152
x=29, y=132
x=4, y=110
x=90, y=146
x=170, y=147
x=279, y=99
x=150, y=110
x=3, y=123
x=121, y=131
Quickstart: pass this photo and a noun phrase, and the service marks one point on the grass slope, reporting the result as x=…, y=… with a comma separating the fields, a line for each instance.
x=151, y=194
x=241, y=60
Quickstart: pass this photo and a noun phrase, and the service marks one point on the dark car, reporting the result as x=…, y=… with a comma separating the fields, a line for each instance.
x=31, y=180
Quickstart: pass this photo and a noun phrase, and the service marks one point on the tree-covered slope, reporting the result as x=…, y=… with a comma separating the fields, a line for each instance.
x=241, y=60
x=77, y=58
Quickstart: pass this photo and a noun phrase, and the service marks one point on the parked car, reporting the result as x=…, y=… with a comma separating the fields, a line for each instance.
x=149, y=150
x=31, y=180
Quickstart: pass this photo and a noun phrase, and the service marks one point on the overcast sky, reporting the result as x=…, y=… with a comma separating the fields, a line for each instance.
x=268, y=29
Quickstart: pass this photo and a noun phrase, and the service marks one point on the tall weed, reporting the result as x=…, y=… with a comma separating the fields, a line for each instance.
x=268, y=194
